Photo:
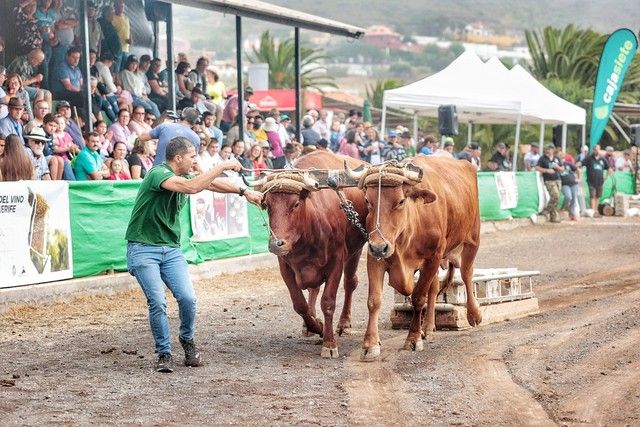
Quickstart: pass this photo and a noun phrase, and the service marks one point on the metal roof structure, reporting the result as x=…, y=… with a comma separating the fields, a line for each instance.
x=280, y=15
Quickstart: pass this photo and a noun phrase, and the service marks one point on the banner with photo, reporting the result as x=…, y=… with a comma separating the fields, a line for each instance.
x=507, y=189
x=35, y=236
x=218, y=216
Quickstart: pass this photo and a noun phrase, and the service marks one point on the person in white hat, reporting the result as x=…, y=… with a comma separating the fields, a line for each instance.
x=34, y=149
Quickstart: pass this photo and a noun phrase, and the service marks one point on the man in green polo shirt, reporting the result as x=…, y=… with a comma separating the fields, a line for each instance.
x=153, y=251
x=89, y=164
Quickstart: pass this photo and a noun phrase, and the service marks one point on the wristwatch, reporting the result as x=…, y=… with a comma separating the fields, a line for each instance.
x=241, y=191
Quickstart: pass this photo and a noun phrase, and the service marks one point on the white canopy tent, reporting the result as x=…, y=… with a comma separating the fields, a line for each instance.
x=485, y=93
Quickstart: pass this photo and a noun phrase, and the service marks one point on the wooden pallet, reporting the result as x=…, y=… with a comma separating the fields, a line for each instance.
x=502, y=293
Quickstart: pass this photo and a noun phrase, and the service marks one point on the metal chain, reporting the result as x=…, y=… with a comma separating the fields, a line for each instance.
x=352, y=215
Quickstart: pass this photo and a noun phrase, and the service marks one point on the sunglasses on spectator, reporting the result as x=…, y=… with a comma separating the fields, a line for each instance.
x=37, y=142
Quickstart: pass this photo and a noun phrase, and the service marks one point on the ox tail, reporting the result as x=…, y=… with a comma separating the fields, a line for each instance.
x=448, y=280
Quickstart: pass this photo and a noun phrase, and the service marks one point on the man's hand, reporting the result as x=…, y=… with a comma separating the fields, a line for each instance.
x=253, y=196
x=37, y=78
x=231, y=164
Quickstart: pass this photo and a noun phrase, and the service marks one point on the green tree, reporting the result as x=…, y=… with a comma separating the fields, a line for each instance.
x=280, y=57
x=376, y=90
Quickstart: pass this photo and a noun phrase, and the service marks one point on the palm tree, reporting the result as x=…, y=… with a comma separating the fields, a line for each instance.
x=375, y=92
x=280, y=57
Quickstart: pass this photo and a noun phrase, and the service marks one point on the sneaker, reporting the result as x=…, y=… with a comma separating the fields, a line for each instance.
x=191, y=353
x=164, y=363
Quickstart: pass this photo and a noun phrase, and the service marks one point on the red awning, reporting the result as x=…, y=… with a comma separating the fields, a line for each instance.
x=283, y=99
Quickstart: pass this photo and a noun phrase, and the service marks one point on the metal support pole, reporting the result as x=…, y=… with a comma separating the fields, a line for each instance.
x=84, y=66
x=469, y=132
x=171, y=75
x=564, y=138
x=239, y=76
x=383, y=120
x=415, y=128
x=515, y=149
x=584, y=135
x=156, y=39
x=541, y=136
x=296, y=61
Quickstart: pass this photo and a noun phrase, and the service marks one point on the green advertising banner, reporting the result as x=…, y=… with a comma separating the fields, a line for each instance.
x=617, y=54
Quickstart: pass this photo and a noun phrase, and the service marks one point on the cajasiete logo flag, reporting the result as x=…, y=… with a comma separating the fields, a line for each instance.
x=616, y=57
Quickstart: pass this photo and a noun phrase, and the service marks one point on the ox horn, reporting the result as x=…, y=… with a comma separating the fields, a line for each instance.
x=413, y=172
x=354, y=174
x=257, y=182
x=310, y=182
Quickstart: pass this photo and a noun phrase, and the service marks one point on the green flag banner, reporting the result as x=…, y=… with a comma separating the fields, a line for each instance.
x=616, y=57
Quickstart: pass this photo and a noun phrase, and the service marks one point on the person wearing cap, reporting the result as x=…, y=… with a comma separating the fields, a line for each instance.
x=34, y=149
x=596, y=164
x=394, y=150
x=471, y=153
x=407, y=143
x=609, y=157
x=551, y=166
x=500, y=162
x=285, y=121
x=447, y=150
x=532, y=157
x=12, y=124
x=230, y=112
x=165, y=132
x=308, y=134
x=133, y=83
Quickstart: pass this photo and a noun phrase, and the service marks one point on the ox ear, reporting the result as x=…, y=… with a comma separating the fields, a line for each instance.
x=426, y=195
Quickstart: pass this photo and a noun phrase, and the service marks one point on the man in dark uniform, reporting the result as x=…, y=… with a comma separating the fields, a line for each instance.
x=499, y=162
x=596, y=165
x=550, y=166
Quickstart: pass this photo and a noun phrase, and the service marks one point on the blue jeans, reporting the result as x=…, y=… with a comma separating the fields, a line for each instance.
x=147, y=104
x=154, y=267
x=571, y=194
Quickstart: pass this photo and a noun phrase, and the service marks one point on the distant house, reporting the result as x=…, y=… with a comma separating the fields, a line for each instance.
x=381, y=36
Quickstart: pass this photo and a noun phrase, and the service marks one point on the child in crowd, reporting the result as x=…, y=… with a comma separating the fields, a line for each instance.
x=63, y=144
x=117, y=172
x=105, y=138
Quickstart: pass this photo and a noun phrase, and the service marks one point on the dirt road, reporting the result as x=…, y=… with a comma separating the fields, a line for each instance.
x=575, y=363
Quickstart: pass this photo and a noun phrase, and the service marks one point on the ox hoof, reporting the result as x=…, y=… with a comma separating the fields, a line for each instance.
x=474, y=320
x=370, y=354
x=430, y=337
x=344, y=330
x=413, y=345
x=329, y=353
x=306, y=332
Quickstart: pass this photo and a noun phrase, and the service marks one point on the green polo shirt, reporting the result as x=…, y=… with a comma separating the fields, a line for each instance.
x=155, y=219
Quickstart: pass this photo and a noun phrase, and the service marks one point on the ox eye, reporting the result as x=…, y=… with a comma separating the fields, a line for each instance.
x=400, y=204
x=296, y=204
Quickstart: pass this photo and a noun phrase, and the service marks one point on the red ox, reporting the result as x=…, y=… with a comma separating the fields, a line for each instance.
x=315, y=243
x=418, y=220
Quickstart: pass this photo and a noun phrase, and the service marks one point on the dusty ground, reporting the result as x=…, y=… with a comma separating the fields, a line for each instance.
x=576, y=363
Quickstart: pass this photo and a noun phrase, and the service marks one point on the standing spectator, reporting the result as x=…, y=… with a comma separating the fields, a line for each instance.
x=230, y=112
x=322, y=126
x=28, y=35
x=373, y=146
x=121, y=23
x=26, y=67
x=309, y=136
x=610, y=159
x=132, y=83
x=120, y=130
x=165, y=132
x=159, y=90
x=285, y=121
x=15, y=89
x=67, y=83
x=94, y=29
x=335, y=135
x=66, y=22
x=448, y=148
x=571, y=188
x=596, y=165
x=350, y=144
x=500, y=159
x=426, y=146
x=407, y=143
x=471, y=154
x=532, y=157
x=110, y=47
x=12, y=124
x=394, y=150
x=15, y=164
x=89, y=164
x=216, y=89
x=623, y=163
x=46, y=17
x=34, y=149
x=551, y=166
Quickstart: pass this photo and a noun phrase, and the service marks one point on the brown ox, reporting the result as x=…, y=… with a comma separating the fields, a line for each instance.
x=315, y=243
x=431, y=220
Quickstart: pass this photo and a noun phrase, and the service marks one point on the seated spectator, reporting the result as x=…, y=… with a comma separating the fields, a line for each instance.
x=120, y=130
x=309, y=135
x=141, y=158
x=12, y=124
x=137, y=124
x=159, y=88
x=286, y=162
x=89, y=164
x=258, y=162
x=270, y=128
x=209, y=127
x=40, y=110
x=26, y=67
x=225, y=152
x=448, y=148
x=143, y=67
x=67, y=81
x=198, y=76
x=372, y=152
x=106, y=85
x=15, y=164
x=132, y=83
x=119, y=153
x=57, y=166
x=216, y=89
x=116, y=171
x=34, y=149
x=72, y=127
x=99, y=103
x=211, y=156
x=230, y=112
x=3, y=95
x=149, y=118
x=258, y=132
x=237, y=150
x=195, y=100
x=105, y=137
x=181, y=83
x=15, y=89
x=63, y=143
